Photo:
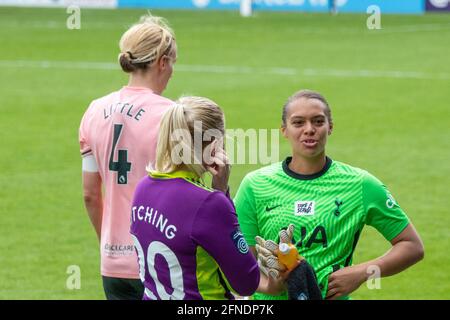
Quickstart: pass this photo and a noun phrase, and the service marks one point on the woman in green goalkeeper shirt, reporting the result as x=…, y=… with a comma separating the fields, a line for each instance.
x=327, y=201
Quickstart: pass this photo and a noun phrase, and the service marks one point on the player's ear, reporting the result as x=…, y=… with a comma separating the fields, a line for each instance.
x=330, y=130
x=213, y=146
x=163, y=61
x=283, y=130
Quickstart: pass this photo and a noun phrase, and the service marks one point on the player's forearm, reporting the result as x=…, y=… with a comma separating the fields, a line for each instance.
x=401, y=256
x=93, y=199
x=94, y=207
x=262, y=287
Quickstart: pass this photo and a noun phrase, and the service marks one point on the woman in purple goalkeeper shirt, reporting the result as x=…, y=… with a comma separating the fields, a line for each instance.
x=187, y=236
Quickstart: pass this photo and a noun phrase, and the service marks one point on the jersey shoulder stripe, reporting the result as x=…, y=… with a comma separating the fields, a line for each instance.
x=189, y=177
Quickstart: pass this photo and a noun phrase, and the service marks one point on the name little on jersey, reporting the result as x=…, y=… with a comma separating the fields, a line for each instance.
x=124, y=108
x=152, y=217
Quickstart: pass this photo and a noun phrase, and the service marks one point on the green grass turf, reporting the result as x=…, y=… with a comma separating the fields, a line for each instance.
x=397, y=128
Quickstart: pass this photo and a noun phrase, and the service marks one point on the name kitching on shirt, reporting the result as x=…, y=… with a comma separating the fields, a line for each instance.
x=158, y=221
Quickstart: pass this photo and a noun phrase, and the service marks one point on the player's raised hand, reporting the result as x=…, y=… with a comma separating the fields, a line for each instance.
x=218, y=164
x=268, y=254
x=267, y=258
x=287, y=235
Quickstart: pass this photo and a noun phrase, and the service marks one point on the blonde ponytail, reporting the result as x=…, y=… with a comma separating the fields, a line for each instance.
x=175, y=148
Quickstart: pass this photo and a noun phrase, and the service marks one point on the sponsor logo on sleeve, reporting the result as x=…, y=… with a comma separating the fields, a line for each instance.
x=390, y=202
x=239, y=241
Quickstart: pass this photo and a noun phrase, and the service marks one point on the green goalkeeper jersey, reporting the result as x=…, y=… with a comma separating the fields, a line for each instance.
x=328, y=209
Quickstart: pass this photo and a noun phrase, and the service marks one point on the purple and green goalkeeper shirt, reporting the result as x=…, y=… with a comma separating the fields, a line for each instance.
x=188, y=241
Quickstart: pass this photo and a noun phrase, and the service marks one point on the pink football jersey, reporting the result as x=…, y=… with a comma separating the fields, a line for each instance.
x=120, y=130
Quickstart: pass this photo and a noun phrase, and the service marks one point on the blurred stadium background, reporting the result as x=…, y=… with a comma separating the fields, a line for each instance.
x=389, y=90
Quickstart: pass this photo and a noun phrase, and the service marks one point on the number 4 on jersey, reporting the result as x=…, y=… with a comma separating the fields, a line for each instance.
x=122, y=166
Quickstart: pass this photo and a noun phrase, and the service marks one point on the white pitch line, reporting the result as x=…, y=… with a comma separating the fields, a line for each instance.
x=338, y=73
x=59, y=64
x=60, y=24
x=362, y=29
x=374, y=74
x=414, y=28
x=235, y=69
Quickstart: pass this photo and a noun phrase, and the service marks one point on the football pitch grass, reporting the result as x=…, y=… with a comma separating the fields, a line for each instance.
x=389, y=91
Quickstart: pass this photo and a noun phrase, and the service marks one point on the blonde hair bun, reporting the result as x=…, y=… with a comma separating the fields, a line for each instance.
x=144, y=43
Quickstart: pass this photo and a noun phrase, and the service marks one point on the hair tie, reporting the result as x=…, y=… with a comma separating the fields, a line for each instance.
x=131, y=56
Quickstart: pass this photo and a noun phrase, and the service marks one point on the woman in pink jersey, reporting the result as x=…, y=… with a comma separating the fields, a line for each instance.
x=118, y=135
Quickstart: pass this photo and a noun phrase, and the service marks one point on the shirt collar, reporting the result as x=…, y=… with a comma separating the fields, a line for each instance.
x=299, y=176
x=176, y=174
x=130, y=88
